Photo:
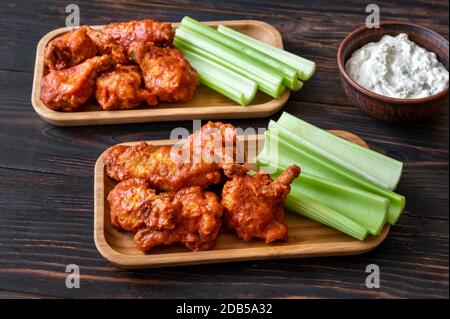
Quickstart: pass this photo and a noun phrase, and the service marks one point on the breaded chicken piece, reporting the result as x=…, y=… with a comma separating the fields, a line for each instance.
x=190, y=216
x=155, y=164
x=167, y=74
x=253, y=205
x=198, y=222
x=107, y=45
x=68, y=89
x=197, y=162
x=69, y=49
x=134, y=204
x=160, y=34
x=121, y=89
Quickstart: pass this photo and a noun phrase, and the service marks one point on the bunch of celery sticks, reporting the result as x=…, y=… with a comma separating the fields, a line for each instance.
x=342, y=184
x=237, y=65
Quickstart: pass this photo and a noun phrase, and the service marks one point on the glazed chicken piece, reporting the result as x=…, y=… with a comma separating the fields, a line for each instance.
x=198, y=222
x=121, y=89
x=68, y=89
x=213, y=142
x=107, y=45
x=253, y=205
x=69, y=49
x=160, y=34
x=155, y=164
x=171, y=168
x=190, y=216
x=133, y=203
x=167, y=74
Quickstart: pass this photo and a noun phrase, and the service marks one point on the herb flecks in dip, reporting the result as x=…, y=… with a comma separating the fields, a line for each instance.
x=397, y=67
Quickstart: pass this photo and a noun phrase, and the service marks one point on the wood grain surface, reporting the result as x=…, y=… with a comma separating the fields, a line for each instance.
x=46, y=172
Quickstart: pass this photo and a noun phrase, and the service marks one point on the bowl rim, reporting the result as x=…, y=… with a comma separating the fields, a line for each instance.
x=377, y=96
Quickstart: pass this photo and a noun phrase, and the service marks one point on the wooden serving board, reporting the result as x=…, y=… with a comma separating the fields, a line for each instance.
x=206, y=104
x=306, y=238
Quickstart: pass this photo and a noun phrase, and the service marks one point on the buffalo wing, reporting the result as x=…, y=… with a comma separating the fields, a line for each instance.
x=69, y=89
x=69, y=50
x=253, y=205
x=120, y=89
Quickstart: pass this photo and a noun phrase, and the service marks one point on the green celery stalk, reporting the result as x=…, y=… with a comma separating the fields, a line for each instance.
x=287, y=154
x=222, y=88
x=199, y=51
x=267, y=81
x=308, y=207
x=304, y=67
x=288, y=73
x=375, y=167
x=222, y=80
x=367, y=209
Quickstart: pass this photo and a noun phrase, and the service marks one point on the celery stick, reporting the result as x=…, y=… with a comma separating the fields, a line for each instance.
x=318, y=166
x=308, y=207
x=262, y=85
x=298, y=141
x=263, y=77
x=288, y=73
x=367, y=209
x=377, y=168
x=222, y=80
x=222, y=88
x=305, y=68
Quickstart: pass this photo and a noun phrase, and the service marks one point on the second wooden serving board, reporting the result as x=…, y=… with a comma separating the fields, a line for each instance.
x=306, y=238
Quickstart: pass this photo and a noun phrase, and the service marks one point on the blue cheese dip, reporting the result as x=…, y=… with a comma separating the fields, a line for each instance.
x=397, y=67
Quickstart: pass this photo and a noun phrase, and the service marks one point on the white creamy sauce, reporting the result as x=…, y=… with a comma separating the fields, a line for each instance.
x=397, y=67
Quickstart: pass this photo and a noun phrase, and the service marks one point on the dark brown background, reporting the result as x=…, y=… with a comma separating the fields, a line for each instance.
x=46, y=172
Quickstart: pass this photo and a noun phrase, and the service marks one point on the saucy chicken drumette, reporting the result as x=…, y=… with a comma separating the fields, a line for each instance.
x=121, y=89
x=68, y=89
x=253, y=204
x=69, y=49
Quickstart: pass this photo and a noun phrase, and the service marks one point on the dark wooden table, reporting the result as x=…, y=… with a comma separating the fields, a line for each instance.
x=46, y=172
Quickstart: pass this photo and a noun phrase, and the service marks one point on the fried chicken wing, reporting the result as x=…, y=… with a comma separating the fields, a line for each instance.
x=155, y=164
x=198, y=222
x=168, y=168
x=160, y=34
x=213, y=142
x=134, y=204
x=70, y=88
x=167, y=74
x=120, y=89
x=190, y=216
x=107, y=45
x=69, y=49
x=253, y=205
